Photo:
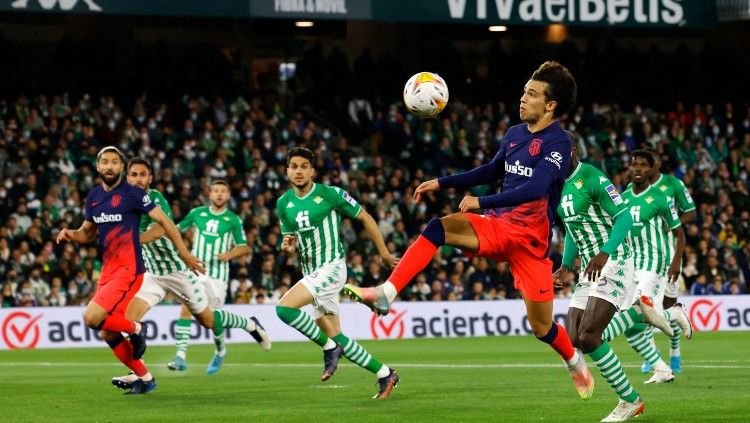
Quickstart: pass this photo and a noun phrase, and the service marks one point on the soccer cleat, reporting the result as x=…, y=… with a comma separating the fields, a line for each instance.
x=583, y=380
x=374, y=298
x=676, y=364
x=138, y=341
x=660, y=376
x=177, y=364
x=140, y=386
x=682, y=319
x=331, y=361
x=386, y=385
x=215, y=365
x=260, y=335
x=625, y=410
x=653, y=317
x=125, y=382
x=646, y=367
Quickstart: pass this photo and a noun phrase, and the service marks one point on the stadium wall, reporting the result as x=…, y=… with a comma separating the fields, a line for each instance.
x=62, y=327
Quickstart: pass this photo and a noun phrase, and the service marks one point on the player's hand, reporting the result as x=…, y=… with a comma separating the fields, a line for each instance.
x=224, y=257
x=193, y=263
x=65, y=235
x=673, y=273
x=595, y=266
x=289, y=244
x=468, y=203
x=389, y=260
x=424, y=187
x=558, y=278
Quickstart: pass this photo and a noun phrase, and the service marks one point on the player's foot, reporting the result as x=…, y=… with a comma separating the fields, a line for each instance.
x=625, y=410
x=177, y=364
x=374, y=298
x=682, y=319
x=676, y=364
x=125, y=382
x=661, y=376
x=331, y=361
x=653, y=317
x=583, y=380
x=138, y=341
x=215, y=365
x=646, y=367
x=141, y=387
x=386, y=385
x=260, y=335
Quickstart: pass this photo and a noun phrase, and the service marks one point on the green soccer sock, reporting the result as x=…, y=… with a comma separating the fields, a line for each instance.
x=621, y=322
x=611, y=369
x=221, y=349
x=181, y=335
x=642, y=344
x=224, y=319
x=302, y=321
x=674, y=340
x=359, y=355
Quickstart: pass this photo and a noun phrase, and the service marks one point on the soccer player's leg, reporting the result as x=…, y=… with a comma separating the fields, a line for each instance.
x=670, y=300
x=460, y=230
x=216, y=291
x=182, y=331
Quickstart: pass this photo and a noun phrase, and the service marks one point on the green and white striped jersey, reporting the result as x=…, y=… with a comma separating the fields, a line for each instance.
x=214, y=234
x=588, y=206
x=677, y=192
x=653, y=217
x=315, y=220
x=160, y=256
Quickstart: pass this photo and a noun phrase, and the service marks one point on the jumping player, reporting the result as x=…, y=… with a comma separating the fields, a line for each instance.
x=114, y=209
x=533, y=160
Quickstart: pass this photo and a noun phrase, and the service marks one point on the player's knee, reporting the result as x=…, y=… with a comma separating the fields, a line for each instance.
x=92, y=320
x=109, y=336
x=588, y=341
x=435, y=232
x=540, y=328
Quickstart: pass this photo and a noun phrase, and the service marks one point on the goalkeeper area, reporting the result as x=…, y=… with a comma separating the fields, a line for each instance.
x=512, y=378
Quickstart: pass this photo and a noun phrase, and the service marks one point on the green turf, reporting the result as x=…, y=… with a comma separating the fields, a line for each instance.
x=492, y=379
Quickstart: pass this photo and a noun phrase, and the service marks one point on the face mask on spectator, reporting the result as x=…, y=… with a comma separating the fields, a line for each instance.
x=152, y=125
x=730, y=129
x=326, y=134
x=3, y=193
x=715, y=130
x=285, y=134
x=111, y=125
x=422, y=208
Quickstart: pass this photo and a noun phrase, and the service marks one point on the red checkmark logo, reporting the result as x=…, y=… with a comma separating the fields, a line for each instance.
x=391, y=326
x=21, y=330
x=705, y=315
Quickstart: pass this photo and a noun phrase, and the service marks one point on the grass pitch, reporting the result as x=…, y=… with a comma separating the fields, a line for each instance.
x=461, y=379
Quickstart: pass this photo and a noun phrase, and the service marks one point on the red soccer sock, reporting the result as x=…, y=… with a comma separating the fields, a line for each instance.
x=558, y=339
x=118, y=323
x=414, y=261
x=124, y=352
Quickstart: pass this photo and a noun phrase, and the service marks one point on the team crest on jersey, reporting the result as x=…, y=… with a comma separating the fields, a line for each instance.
x=578, y=184
x=614, y=194
x=226, y=218
x=289, y=205
x=318, y=199
x=663, y=188
x=535, y=147
x=204, y=214
x=116, y=200
x=649, y=199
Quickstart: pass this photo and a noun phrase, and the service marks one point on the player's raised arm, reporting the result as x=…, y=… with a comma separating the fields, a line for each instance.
x=83, y=235
x=377, y=237
x=152, y=234
x=484, y=174
x=173, y=234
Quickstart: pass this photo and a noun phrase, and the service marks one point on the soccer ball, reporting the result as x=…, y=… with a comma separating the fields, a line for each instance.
x=425, y=94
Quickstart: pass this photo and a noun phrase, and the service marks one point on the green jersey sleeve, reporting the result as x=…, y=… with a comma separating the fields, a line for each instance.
x=158, y=199
x=238, y=232
x=682, y=196
x=608, y=197
x=671, y=216
x=286, y=228
x=344, y=202
x=187, y=221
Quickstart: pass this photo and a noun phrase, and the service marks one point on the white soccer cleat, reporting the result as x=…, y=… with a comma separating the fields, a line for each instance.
x=260, y=335
x=661, y=376
x=583, y=380
x=652, y=317
x=625, y=411
x=125, y=382
x=682, y=319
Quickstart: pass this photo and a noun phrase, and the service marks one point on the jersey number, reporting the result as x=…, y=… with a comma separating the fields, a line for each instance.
x=212, y=226
x=303, y=219
x=635, y=212
x=567, y=205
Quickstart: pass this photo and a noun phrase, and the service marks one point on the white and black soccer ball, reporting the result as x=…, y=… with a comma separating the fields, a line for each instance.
x=426, y=94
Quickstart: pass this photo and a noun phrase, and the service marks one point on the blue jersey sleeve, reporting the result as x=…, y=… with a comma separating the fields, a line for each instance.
x=484, y=174
x=140, y=200
x=554, y=165
x=87, y=206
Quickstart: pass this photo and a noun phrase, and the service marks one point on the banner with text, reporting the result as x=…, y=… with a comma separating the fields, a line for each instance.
x=626, y=13
x=62, y=327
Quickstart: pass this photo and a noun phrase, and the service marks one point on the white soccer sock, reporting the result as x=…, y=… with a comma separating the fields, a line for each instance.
x=390, y=291
x=674, y=352
x=383, y=372
x=147, y=377
x=329, y=345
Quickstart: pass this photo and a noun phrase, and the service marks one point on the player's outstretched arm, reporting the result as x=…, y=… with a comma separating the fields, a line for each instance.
x=152, y=234
x=570, y=252
x=237, y=251
x=679, y=246
x=620, y=230
x=374, y=233
x=289, y=245
x=83, y=235
x=173, y=234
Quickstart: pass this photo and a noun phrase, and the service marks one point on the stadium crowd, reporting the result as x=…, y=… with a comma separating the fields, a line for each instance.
x=48, y=146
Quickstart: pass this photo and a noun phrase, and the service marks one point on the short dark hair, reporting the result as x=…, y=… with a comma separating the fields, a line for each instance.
x=653, y=152
x=110, y=149
x=139, y=161
x=644, y=154
x=219, y=182
x=300, y=152
x=561, y=88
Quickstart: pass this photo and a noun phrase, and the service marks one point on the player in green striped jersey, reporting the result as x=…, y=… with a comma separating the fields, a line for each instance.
x=218, y=237
x=596, y=223
x=653, y=215
x=165, y=271
x=310, y=218
x=676, y=191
